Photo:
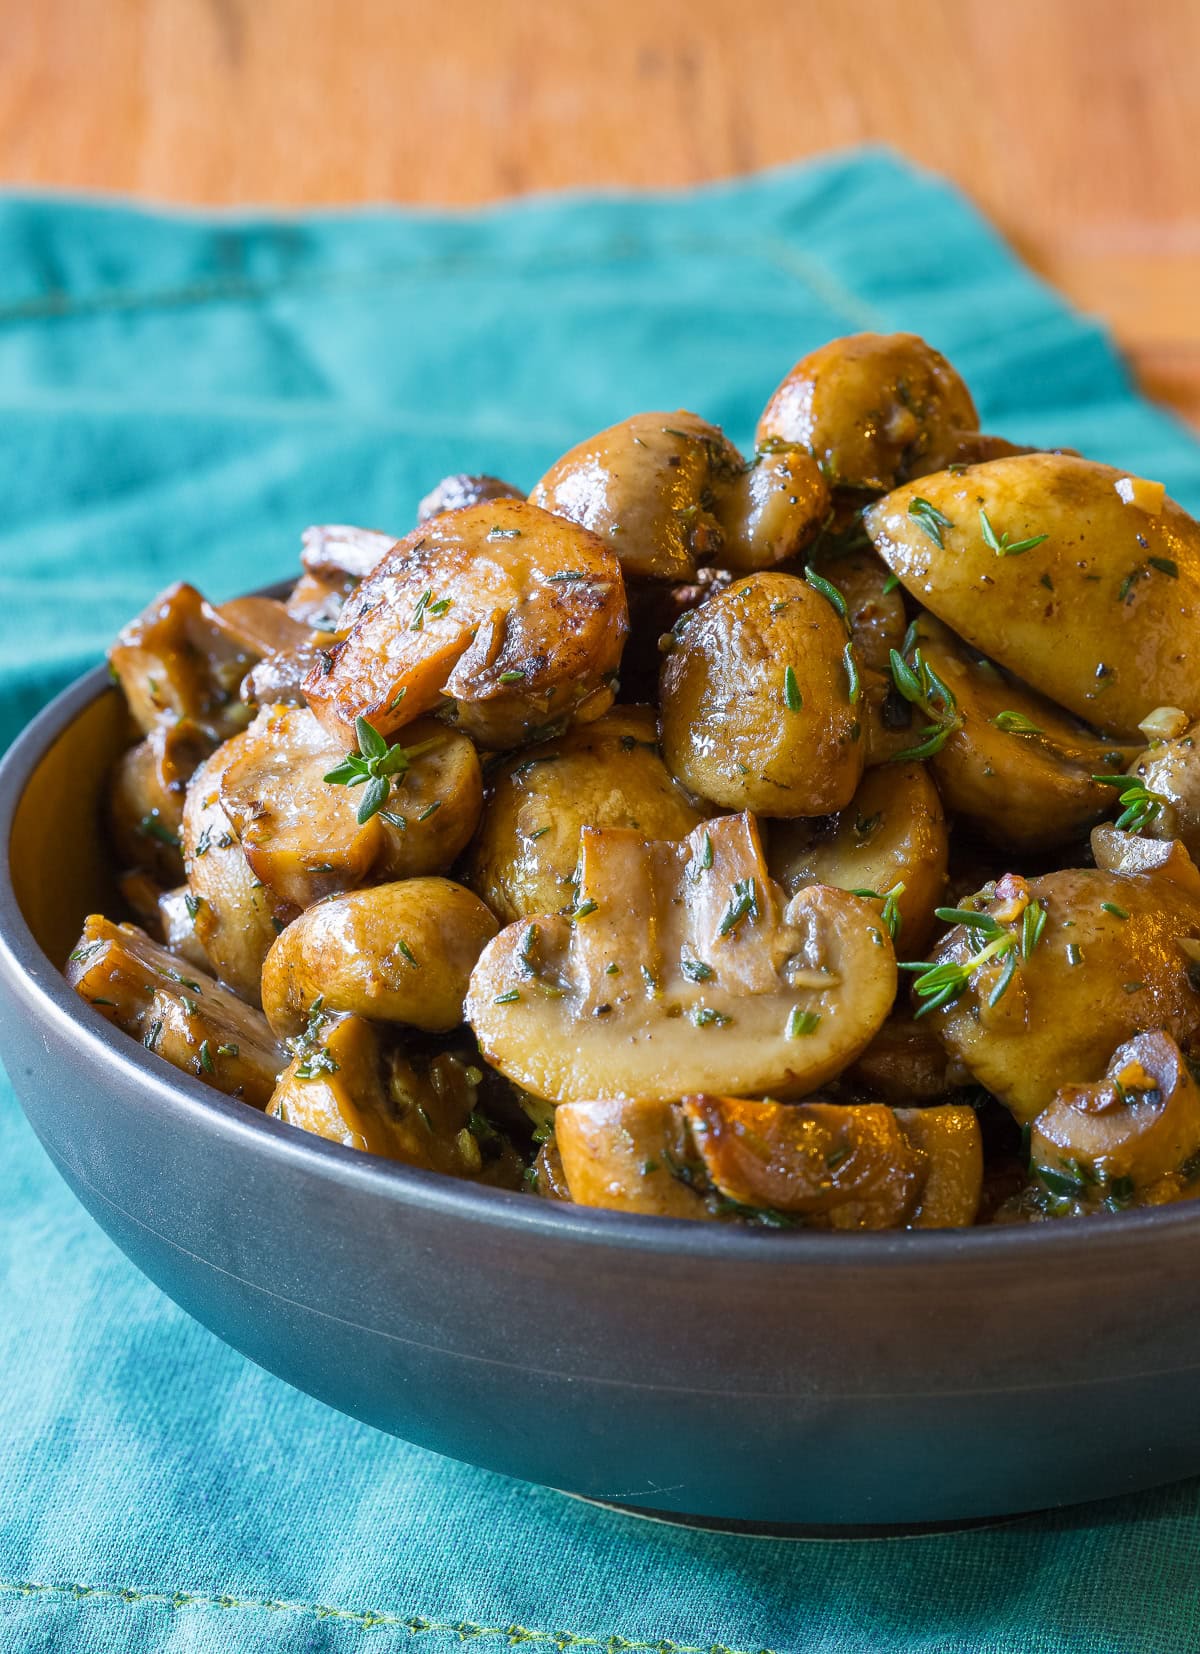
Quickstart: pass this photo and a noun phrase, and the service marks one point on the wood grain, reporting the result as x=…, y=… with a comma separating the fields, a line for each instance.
x=1074, y=123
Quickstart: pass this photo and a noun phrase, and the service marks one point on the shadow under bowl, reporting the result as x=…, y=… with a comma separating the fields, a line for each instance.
x=784, y=1379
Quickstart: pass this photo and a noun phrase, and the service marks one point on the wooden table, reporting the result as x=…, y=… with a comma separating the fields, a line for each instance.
x=1074, y=123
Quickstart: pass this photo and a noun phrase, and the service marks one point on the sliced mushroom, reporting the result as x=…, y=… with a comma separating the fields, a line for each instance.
x=1014, y=765
x=146, y=794
x=604, y=774
x=301, y=834
x=1042, y=563
x=817, y=1164
x=398, y=952
x=1132, y=1138
x=318, y=600
x=516, y=616
x=236, y=916
x=181, y=1014
x=350, y=1086
x=460, y=490
x=668, y=491
x=1114, y=955
x=683, y=966
x=873, y=409
x=759, y=701
x=891, y=840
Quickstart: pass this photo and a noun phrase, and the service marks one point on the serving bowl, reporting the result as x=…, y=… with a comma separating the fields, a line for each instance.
x=798, y=1379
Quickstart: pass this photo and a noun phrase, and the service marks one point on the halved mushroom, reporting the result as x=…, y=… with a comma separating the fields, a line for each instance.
x=668, y=491
x=180, y=659
x=302, y=836
x=235, y=916
x=1015, y=765
x=182, y=1015
x=759, y=700
x=604, y=774
x=816, y=1164
x=516, y=616
x=175, y=921
x=350, y=1085
x=1119, y=852
x=1052, y=568
x=1130, y=1139
x=398, y=952
x=890, y=841
x=146, y=793
x=1023, y=1000
x=873, y=409
x=456, y=492
x=1169, y=770
x=683, y=966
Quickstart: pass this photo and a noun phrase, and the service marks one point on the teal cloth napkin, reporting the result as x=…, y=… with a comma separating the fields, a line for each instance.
x=180, y=396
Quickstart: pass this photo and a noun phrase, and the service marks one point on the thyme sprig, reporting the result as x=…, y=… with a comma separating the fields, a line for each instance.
x=928, y=517
x=1001, y=544
x=1139, y=806
x=921, y=686
x=375, y=765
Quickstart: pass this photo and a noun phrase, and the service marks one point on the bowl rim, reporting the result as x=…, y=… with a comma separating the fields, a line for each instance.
x=27, y=973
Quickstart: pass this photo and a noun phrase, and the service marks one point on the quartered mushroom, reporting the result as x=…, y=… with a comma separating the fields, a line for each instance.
x=669, y=491
x=400, y=952
x=175, y=1010
x=759, y=700
x=813, y=1164
x=1129, y=1139
x=890, y=845
x=1016, y=766
x=1061, y=571
x=302, y=834
x=235, y=917
x=350, y=1084
x=514, y=616
x=608, y=773
x=1050, y=975
x=683, y=966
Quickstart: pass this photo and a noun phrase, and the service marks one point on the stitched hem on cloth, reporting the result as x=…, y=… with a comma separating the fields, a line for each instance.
x=366, y=1619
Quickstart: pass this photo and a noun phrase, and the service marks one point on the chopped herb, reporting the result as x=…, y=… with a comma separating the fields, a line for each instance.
x=514, y=676
x=566, y=575
x=1165, y=565
x=1074, y=953
x=1059, y=1183
x=792, y=698
x=86, y=950
x=836, y=1156
x=584, y=909
x=509, y=998
x=206, y=1061
x=1047, y=582
x=1033, y=923
x=1133, y=987
x=1111, y=907
x=612, y=968
x=152, y=827
x=696, y=970
x=851, y=665
x=705, y=859
x=1139, y=806
x=1003, y=546
x=394, y=820
x=406, y=952
x=203, y=843
x=539, y=832
x=504, y=534
x=191, y=1006
x=800, y=1023
x=229, y=1050
x=929, y=518
x=320, y=1061
x=828, y=591
x=705, y=1017
x=397, y=698
x=743, y=903
x=423, y=602
x=430, y=809
x=890, y=584
x=192, y=904
x=1016, y=723
x=152, y=1035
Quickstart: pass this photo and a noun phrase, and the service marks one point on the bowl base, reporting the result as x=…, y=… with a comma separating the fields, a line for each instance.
x=802, y=1530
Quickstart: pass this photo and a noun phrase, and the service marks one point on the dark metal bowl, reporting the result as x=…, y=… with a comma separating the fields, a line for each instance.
x=781, y=1378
